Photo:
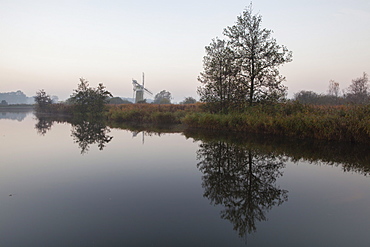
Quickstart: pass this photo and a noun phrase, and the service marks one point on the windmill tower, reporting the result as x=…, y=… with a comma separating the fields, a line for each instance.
x=139, y=90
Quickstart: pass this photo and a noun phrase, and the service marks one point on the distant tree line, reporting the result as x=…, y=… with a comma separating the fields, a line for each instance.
x=357, y=93
x=17, y=97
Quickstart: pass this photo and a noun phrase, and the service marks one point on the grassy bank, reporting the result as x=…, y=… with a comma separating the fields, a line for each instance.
x=151, y=113
x=342, y=123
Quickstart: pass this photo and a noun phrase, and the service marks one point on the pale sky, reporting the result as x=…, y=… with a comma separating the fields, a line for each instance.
x=51, y=44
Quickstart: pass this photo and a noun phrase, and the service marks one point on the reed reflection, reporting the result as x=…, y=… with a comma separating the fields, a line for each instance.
x=243, y=180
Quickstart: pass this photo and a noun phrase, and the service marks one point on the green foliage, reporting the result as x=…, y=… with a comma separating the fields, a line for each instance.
x=89, y=100
x=3, y=102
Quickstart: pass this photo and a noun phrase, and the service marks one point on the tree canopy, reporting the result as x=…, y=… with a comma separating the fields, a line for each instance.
x=188, y=100
x=358, y=91
x=90, y=100
x=43, y=100
x=163, y=97
x=243, y=68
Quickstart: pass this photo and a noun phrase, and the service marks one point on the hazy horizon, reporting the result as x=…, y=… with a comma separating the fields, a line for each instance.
x=51, y=44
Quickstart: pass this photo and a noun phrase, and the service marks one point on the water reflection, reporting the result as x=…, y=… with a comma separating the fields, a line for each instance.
x=240, y=174
x=43, y=125
x=14, y=114
x=351, y=157
x=85, y=132
x=242, y=179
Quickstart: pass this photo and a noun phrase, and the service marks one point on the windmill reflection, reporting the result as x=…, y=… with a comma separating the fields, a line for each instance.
x=243, y=180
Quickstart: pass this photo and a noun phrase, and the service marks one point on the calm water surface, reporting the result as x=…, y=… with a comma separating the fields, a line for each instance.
x=86, y=184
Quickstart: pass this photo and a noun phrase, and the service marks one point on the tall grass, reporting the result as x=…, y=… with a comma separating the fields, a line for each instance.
x=150, y=113
x=343, y=123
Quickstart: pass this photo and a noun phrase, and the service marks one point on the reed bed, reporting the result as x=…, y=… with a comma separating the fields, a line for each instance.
x=150, y=113
x=342, y=123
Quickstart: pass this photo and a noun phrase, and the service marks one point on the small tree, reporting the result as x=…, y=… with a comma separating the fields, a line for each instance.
x=163, y=97
x=358, y=92
x=43, y=101
x=90, y=100
x=188, y=100
x=3, y=102
x=306, y=97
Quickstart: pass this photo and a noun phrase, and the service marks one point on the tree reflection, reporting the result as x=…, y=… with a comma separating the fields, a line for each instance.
x=242, y=180
x=43, y=125
x=85, y=133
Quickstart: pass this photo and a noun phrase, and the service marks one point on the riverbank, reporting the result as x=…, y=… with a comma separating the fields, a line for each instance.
x=341, y=123
x=349, y=123
x=20, y=107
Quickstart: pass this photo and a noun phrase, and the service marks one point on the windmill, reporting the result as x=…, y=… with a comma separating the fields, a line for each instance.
x=139, y=90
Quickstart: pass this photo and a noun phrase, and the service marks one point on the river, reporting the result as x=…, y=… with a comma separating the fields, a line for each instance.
x=78, y=183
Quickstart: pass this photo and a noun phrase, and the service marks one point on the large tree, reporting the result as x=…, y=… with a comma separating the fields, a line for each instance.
x=253, y=60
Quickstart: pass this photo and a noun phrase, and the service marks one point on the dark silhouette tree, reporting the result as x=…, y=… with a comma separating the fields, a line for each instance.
x=248, y=60
x=220, y=78
x=358, y=91
x=89, y=100
x=43, y=101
